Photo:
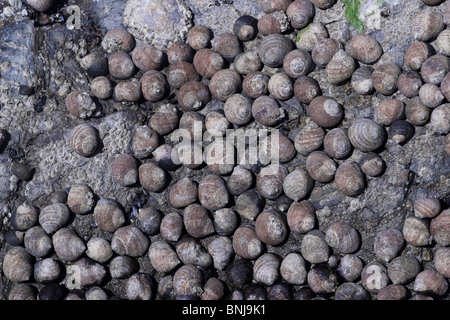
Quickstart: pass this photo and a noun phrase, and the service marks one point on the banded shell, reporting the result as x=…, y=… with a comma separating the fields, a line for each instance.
x=273, y=49
x=108, y=215
x=343, y=237
x=320, y=166
x=153, y=85
x=255, y=84
x=300, y=13
x=388, y=244
x=409, y=83
x=435, y=68
x=389, y=110
x=129, y=241
x=127, y=91
x=309, y=138
x=124, y=170
x=99, y=249
x=269, y=181
x=146, y=57
x=427, y=207
x=324, y=50
x=214, y=289
x=340, y=68
x=417, y=53
x=337, y=144
x=440, y=228
x=207, y=62
x=245, y=27
x=84, y=140
x=188, y=280
x=224, y=83
x=298, y=63
x=24, y=217
x=266, y=269
x=238, y=109
x=37, y=242
x=21, y=170
x=212, y=192
x=68, y=245
x=281, y=86
x=364, y=48
x=366, y=135
x=312, y=36
x=273, y=23
x=122, y=267
x=80, y=199
x=180, y=51
x=385, y=78
x=165, y=119
x=362, y=80
x=249, y=204
x=325, y=111
x=403, y=269
x=426, y=25
x=349, y=179
x=442, y=42
x=53, y=217
x=47, y=270
x=199, y=37
x=401, y=131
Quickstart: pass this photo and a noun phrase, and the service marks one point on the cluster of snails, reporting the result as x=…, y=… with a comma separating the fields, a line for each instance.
x=216, y=241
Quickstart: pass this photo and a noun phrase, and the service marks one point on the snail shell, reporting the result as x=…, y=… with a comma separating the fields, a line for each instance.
x=409, y=83
x=122, y=267
x=140, y=286
x=281, y=86
x=362, y=80
x=80, y=199
x=431, y=282
x=148, y=220
x=435, y=68
x=153, y=85
x=52, y=291
x=180, y=73
x=447, y=144
x=374, y=277
x=14, y=237
x=225, y=221
x=426, y=25
x=53, y=217
x=146, y=57
x=364, y=48
x=416, y=112
x=219, y=157
x=271, y=228
x=245, y=27
x=298, y=63
x=401, y=131
x=269, y=181
x=403, y=269
x=95, y=64
x=180, y=51
x=309, y=138
x=273, y=23
x=221, y=251
x=385, y=78
x=152, y=177
x=393, y=292
x=322, y=279
x=239, y=274
x=80, y=104
x=165, y=119
x=193, y=95
x=293, y=269
x=442, y=261
x=239, y=181
x=24, y=217
x=427, y=207
x=266, y=111
x=442, y=42
x=301, y=217
x=324, y=50
x=314, y=248
x=306, y=89
x=366, y=135
x=300, y=13
x=129, y=241
x=389, y=110
x=214, y=289
x=96, y=293
x=163, y=257
x=224, y=83
x=247, y=62
x=323, y=4
x=212, y=192
x=372, y=164
x=192, y=122
x=21, y=170
x=350, y=267
x=249, y=204
x=190, y=251
x=171, y=226
x=188, y=280
x=440, y=119
x=276, y=147
x=340, y=67
x=343, y=237
x=255, y=84
x=84, y=140
x=337, y=144
x=85, y=272
x=183, y=193
x=312, y=36
x=102, y=88
x=216, y=123
x=99, y=249
x=124, y=170
x=269, y=6
x=349, y=179
x=238, y=109
x=417, y=53
x=127, y=91
x=17, y=265
x=320, y=166
x=68, y=245
x=207, y=62
x=22, y=292
x=246, y=243
x=273, y=49
x=117, y=40
x=197, y=222
x=37, y=242
x=266, y=269
x=199, y=37
x=227, y=45
x=440, y=228
x=416, y=231
x=121, y=66
x=445, y=86
x=351, y=291
x=108, y=215
x=325, y=111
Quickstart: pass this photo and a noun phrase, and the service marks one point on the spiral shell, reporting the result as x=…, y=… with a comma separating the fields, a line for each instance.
x=224, y=83
x=127, y=91
x=427, y=207
x=53, y=217
x=180, y=73
x=266, y=269
x=385, y=78
x=441, y=261
x=403, y=269
x=325, y=111
x=320, y=166
x=99, y=249
x=276, y=147
x=47, y=270
x=124, y=170
x=193, y=95
x=340, y=68
x=24, y=217
x=442, y=42
x=146, y=57
x=273, y=23
x=238, y=109
x=37, y=242
x=86, y=273
x=281, y=86
x=239, y=181
x=361, y=80
x=180, y=51
x=108, y=215
x=343, y=237
x=245, y=27
x=324, y=50
x=337, y=144
x=401, y=131
x=121, y=66
x=349, y=179
x=129, y=241
x=80, y=104
x=214, y=289
x=273, y=49
x=269, y=181
x=227, y=45
x=416, y=112
x=102, y=88
x=84, y=140
x=409, y=83
x=171, y=226
x=298, y=63
x=21, y=170
x=388, y=244
x=440, y=228
x=372, y=164
x=364, y=48
x=301, y=217
x=190, y=251
x=314, y=248
x=435, y=68
x=309, y=138
x=366, y=135
x=266, y=111
x=162, y=256
x=426, y=25
x=188, y=280
x=322, y=279
x=300, y=13
x=293, y=269
x=417, y=53
x=312, y=36
x=246, y=243
x=350, y=267
x=207, y=62
x=68, y=245
x=122, y=267
x=153, y=85
x=255, y=84
x=388, y=111
x=117, y=40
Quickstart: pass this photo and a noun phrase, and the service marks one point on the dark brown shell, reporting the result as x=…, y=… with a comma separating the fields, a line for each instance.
x=227, y=45
x=183, y=193
x=309, y=138
x=300, y=13
x=144, y=142
x=276, y=147
x=273, y=23
x=224, y=83
x=389, y=110
x=298, y=63
x=118, y=40
x=193, y=95
x=324, y=51
x=129, y=91
x=255, y=84
x=401, y=131
x=180, y=73
x=435, y=68
x=320, y=166
x=246, y=243
x=95, y=64
x=349, y=179
x=80, y=198
x=80, y=104
x=129, y=241
x=281, y=86
x=409, y=83
x=152, y=177
x=364, y=48
x=306, y=89
x=163, y=257
x=197, y=222
x=385, y=78
x=121, y=65
x=171, y=226
x=325, y=111
x=273, y=49
x=207, y=62
x=431, y=282
x=163, y=156
x=199, y=37
x=267, y=111
x=247, y=62
x=337, y=144
x=417, y=53
x=153, y=85
x=343, y=237
x=124, y=170
x=440, y=228
x=245, y=27
x=268, y=6
x=165, y=119
x=249, y=204
x=180, y=51
x=146, y=57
